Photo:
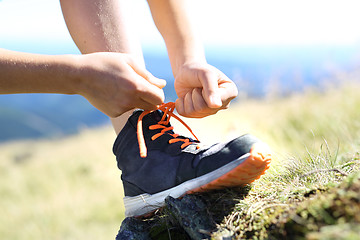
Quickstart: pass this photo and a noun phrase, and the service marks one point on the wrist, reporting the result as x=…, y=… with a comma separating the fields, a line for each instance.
x=80, y=75
x=184, y=53
x=188, y=60
x=189, y=65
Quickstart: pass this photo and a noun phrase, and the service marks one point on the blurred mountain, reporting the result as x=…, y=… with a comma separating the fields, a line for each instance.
x=257, y=71
x=45, y=115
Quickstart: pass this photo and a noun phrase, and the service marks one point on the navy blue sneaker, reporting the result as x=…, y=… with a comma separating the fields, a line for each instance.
x=156, y=163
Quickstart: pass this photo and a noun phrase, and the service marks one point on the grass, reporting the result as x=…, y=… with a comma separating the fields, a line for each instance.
x=315, y=138
x=70, y=188
x=60, y=189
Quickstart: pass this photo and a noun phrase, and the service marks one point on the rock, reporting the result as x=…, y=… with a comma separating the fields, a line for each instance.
x=180, y=219
x=133, y=229
x=192, y=215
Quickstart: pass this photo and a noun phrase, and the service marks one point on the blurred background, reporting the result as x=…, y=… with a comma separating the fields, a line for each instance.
x=269, y=48
x=296, y=65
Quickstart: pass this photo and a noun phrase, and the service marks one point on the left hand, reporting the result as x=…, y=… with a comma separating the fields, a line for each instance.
x=202, y=90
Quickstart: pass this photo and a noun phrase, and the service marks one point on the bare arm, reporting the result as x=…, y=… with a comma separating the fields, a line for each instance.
x=202, y=89
x=174, y=24
x=100, y=26
x=35, y=73
x=112, y=82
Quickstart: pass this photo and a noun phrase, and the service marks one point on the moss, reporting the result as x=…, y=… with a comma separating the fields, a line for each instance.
x=338, y=206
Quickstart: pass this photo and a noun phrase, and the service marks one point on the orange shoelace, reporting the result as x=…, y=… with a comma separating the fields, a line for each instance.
x=168, y=109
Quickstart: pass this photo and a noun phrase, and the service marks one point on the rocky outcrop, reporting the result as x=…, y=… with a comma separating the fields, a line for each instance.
x=190, y=217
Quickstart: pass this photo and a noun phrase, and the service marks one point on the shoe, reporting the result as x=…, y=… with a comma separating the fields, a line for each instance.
x=156, y=163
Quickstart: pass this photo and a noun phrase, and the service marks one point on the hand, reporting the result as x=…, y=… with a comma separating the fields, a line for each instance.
x=114, y=83
x=202, y=90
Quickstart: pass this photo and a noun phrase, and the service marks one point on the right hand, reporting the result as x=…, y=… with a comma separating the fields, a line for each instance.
x=202, y=90
x=115, y=83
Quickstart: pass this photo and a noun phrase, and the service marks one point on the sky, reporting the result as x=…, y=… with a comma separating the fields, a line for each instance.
x=219, y=22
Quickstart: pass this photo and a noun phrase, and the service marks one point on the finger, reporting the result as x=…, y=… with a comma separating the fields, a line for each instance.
x=200, y=106
x=209, y=80
x=188, y=104
x=145, y=105
x=228, y=91
x=151, y=94
x=160, y=83
x=193, y=98
x=134, y=100
x=179, y=105
x=146, y=91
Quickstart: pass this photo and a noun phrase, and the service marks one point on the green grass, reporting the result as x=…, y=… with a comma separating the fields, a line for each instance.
x=70, y=188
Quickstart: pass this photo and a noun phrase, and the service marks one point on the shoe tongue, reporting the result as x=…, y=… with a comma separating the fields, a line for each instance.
x=149, y=119
x=156, y=115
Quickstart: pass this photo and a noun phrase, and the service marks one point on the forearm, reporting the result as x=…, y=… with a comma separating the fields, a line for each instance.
x=100, y=26
x=35, y=73
x=181, y=40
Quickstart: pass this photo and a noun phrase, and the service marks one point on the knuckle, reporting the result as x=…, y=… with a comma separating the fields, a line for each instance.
x=200, y=108
x=203, y=74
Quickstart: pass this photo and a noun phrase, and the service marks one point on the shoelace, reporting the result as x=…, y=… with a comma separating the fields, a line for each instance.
x=168, y=109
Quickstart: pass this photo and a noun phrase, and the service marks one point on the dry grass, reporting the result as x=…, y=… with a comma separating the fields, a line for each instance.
x=315, y=138
x=61, y=189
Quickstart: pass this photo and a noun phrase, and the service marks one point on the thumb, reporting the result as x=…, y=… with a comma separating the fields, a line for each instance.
x=210, y=92
x=160, y=83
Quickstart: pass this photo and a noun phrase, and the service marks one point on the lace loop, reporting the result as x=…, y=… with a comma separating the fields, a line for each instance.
x=168, y=109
